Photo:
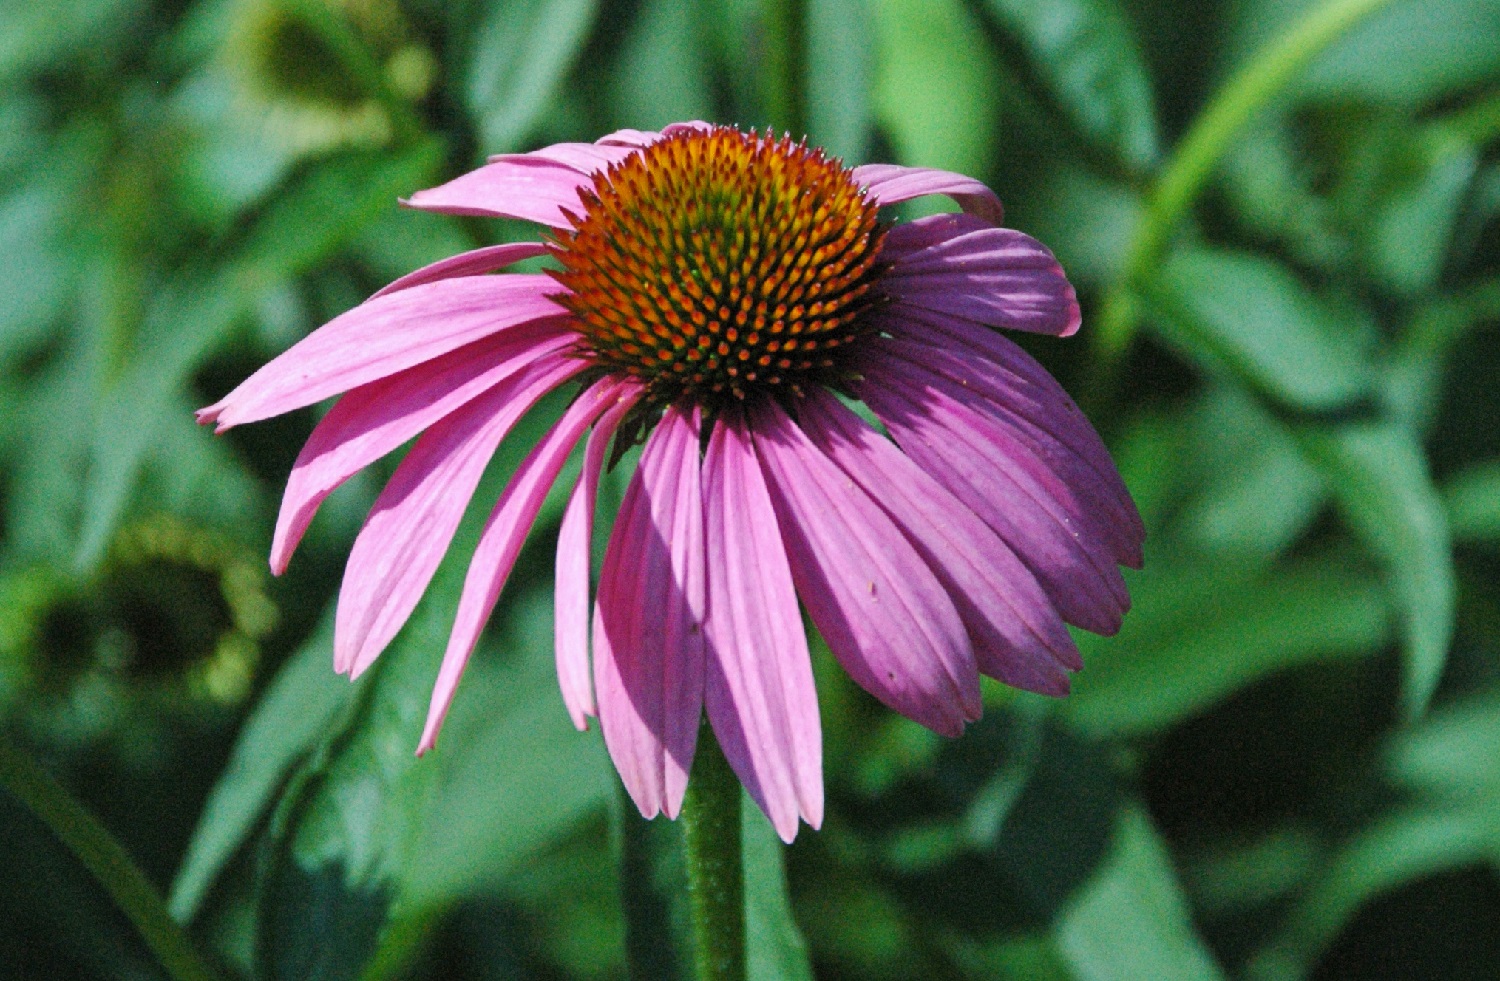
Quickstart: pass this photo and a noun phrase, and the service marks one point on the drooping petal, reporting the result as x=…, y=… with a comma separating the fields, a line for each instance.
x=957, y=446
x=1018, y=636
x=574, y=547
x=1101, y=496
x=960, y=265
x=997, y=367
x=758, y=687
x=893, y=183
x=408, y=530
x=505, y=531
x=524, y=186
x=376, y=418
x=382, y=336
x=472, y=263
x=648, y=624
x=884, y=614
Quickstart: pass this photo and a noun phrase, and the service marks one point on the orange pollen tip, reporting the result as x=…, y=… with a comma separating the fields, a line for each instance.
x=721, y=229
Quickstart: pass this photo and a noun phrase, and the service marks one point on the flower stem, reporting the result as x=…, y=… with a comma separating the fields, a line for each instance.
x=93, y=845
x=715, y=865
x=1264, y=77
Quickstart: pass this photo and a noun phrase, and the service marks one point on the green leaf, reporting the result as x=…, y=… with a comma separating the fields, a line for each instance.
x=774, y=948
x=296, y=713
x=1255, y=319
x=934, y=84
x=1407, y=238
x=1379, y=478
x=185, y=323
x=840, y=69
x=1132, y=921
x=1199, y=633
x=1472, y=500
x=663, y=73
x=523, y=50
x=1453, y=752
x=1385, y=856
x=1086, y=55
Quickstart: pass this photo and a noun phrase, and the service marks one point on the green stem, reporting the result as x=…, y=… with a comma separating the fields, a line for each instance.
x=104, y=857
x=781, y=75
x=715, y=865
x=1264, y=77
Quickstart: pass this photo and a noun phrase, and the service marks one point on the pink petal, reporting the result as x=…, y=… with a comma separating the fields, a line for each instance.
x=409, y=528
x=958, y=447
x=960, y=265
x=474, y=263
x=995, y=366
x=524, y=186
x=505, y=531
x=380, y=416
x=640, y=138
x=759, y=686
x=382, y=336
x=586, y=158
x=986, y=388
x=885, y=616
x=892, y=183
x=1017, y=634
x=648, y=624
x=574, y=545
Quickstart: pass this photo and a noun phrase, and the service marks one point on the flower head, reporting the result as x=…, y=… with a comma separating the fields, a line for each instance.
x=726, y=295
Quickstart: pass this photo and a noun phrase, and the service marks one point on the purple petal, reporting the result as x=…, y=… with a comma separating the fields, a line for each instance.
x=378, y=417
x=758, y=687
x=959, y=448
x=885, y=616
x=956, y=264
x=505, y=531
x=574, y=545
x=986, y=388
x=648, y=624
x=382, y=336
x=1018, y=636
x=524, y=186
x=474, y=263
x=996, y=367
x=892, y=183
x=409, y=528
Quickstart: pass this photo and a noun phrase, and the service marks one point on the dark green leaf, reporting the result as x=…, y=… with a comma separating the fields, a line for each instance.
x=1198, y=634
x=1380, y=480
x=774, y=948
x=934, y=84
x=522, y=51
x=663, y=73
x=1133, y=921
x=840, y=68
x=1258, y=321
x=1084, y=52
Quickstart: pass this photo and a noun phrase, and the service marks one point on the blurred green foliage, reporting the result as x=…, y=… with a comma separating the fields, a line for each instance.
x=1287, y=765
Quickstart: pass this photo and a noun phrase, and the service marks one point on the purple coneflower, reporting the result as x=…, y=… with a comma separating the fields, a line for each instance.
x=726, y=295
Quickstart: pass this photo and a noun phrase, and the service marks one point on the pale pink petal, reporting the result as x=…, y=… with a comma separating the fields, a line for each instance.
x=997, y=367
x=959, y=265
x=574, y=545
x=985, y=387
x=1018, y=636
x=473, y=263
x=408, y=530
x=382, y=336
x=954, y=444
x=378, y=417
x=524, y=186
x=758, y=687
x=648, y=624
x=505, y=531
x=640, y=138
x=883, y=613
x=892, y=183
x=586, y=158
